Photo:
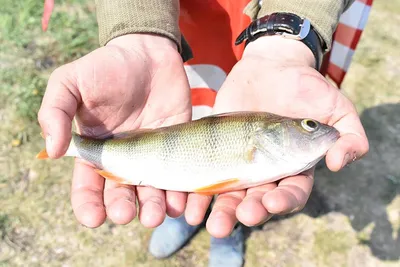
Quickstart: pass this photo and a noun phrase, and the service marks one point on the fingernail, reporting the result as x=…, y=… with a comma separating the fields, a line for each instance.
x=346, y=159
x=153, y=206
x=218, y=214
x=49, y=145
x=266, y=219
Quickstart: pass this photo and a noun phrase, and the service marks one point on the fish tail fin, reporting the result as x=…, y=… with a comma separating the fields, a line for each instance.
x=42, y=154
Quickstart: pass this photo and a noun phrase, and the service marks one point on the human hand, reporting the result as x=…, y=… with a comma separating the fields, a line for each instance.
x=276, y=75
x=122, y=86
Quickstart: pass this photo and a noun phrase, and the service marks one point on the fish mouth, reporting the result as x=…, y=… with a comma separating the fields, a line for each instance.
x=334, y=135
x=330, y=140
x=331, y=135
x=327, y=140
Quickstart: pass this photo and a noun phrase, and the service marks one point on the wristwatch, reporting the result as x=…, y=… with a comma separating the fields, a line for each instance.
x=287, y=25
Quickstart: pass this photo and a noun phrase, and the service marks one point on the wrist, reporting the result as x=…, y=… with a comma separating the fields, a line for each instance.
x=278, y=49
x=143, y=40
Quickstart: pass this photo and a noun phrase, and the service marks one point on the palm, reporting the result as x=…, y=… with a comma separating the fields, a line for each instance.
x=275, y=92
x=296, y=92
x=117, y=88
x=255, y=84
x=116, y=96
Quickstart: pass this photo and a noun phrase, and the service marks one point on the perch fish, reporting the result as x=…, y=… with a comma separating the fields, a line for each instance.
x=211, y=155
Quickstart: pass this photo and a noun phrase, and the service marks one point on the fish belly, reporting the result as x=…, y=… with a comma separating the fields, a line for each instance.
x=192, y=177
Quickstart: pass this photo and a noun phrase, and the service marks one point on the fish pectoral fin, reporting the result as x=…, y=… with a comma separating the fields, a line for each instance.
x=257, y=143
x=249, y=153
x=109, y=176
x=217, y=188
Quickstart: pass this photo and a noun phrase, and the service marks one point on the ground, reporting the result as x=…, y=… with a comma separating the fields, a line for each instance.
x=351, y=219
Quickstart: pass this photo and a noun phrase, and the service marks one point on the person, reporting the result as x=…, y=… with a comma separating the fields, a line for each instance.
x=148, y=74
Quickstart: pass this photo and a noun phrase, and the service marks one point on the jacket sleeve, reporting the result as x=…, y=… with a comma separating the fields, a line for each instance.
x=120, y=17
x=323, y=14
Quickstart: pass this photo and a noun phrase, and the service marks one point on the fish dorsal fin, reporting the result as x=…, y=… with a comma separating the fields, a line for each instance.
x=120, y=135
x=131, y=133
x=224, y=114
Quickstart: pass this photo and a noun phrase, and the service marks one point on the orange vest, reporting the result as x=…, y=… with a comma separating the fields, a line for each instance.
x=211, y=27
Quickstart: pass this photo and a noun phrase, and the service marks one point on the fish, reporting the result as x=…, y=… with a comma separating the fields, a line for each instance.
x=211, y=155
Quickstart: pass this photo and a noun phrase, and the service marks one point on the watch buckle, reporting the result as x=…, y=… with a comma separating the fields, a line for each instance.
x=305, y=27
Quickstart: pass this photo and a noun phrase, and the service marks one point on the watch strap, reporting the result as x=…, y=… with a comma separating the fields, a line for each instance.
x=287, y=25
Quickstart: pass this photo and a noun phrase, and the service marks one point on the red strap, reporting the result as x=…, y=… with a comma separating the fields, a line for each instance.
x=47, y=10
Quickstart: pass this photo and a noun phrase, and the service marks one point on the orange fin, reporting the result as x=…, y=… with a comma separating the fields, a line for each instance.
x=110, y=176
x=217, y=188
x=42, y=154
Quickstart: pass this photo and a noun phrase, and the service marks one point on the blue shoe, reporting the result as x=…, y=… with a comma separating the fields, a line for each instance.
x=228, y=251
x=170, y=236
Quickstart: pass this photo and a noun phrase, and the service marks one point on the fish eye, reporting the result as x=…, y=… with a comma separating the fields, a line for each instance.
x=309, y=125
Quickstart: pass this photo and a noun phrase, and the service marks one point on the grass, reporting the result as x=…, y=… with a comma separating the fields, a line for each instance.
x=37, y=225
x=29, y=55
x=373, y=77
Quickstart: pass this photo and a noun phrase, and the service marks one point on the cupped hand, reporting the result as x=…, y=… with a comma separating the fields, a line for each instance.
x=276, y=75
x=135, y=81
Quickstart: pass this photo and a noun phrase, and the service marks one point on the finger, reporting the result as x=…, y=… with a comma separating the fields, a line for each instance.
x=251, y=211
x=353, y=143
x=347, y=149
x=58, y=108
x=119, y=201
x=87, y=195
x=290, y=195
x=196, y=208
x=222, y=219
x=175, y=203
x=152, y=207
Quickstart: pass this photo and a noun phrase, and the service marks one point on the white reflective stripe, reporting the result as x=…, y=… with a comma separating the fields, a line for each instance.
x=205, y=76
x=356, y=16
x=200, y=111
x=341, y=55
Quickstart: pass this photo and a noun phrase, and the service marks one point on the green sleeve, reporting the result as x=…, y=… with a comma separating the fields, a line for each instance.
x=120, y=17
x=323, y=14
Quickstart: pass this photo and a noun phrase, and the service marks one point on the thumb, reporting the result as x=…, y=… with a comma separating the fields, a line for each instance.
x=58, y=109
